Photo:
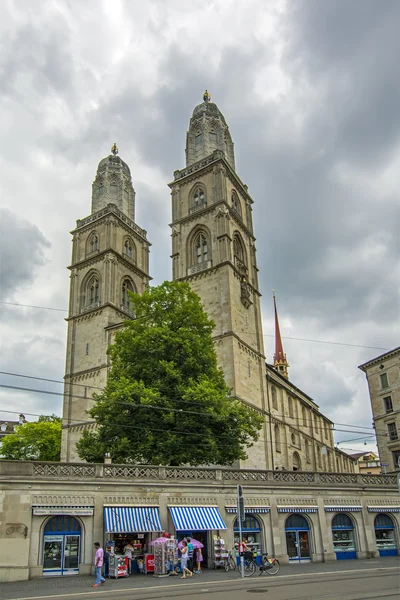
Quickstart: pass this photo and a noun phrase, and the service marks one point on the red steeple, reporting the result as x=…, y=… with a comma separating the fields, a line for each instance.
x=280, y=362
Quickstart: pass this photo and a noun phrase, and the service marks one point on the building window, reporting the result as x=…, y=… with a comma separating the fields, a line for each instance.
x=396, y=459
x=87, y=351
x=128, y=248
x=293, y=438
x=296, y=462
x=94, y=243
x=213, y=137
x=326, y=431
x=198, y=139
x=199, y=197
x=278, y=439
x=319, y=453
x=93, y=290
x=387, y=403
x=274, y=398
x=304, y=416
x=384, y=381
x=239, y=254
x=126, y=288
x=236, y=203
x=392, y=432
x=291, y=413
x=201, y=248
x=307, y=447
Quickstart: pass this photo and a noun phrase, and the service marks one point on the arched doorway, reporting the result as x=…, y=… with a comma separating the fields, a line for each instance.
x=251, y=532
x=385, y=535
x=61, y=546
x=298, y=544
x=343, y=537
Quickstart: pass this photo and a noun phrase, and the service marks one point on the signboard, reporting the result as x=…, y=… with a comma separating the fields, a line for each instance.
x=149, y=563
x=79, y=512
x=384, y=464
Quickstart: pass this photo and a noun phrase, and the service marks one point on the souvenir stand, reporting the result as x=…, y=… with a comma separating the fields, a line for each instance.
x=172, y=554
x=118, y=565
x=160, y=549
x=220, y=552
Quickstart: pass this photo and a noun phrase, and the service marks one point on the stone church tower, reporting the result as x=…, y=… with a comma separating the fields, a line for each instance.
x=110, y=255
x=213, y=247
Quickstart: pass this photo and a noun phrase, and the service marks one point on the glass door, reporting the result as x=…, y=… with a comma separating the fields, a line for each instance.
x=71, y=554
x=52, y=554
x=303, y=544
x=292, y=544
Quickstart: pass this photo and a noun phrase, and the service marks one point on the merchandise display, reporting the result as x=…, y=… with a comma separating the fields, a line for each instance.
x=220, y=552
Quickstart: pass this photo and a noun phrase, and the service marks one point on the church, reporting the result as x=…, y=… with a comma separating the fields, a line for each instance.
x=214, y=249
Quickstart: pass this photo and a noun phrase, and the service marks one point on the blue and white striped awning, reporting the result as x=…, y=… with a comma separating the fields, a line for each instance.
x=132, y=519
x=343, y=508
x=297, y=509
x=384, y=509
x=254, y=510
x=197, y=518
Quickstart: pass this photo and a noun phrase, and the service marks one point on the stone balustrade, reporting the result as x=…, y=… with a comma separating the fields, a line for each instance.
x=15, y=470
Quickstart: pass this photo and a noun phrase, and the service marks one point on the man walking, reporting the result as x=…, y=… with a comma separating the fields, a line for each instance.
x=98, y=563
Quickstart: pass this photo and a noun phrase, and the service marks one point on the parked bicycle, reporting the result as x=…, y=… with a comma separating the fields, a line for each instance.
x=269, y=565
x=230, y=561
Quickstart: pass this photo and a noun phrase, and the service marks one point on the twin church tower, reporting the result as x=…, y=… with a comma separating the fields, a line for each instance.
x=213, y=248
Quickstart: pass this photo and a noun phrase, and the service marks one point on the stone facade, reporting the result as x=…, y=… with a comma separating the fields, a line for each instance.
x=110, y=255
x=213, y=247
x=383, y=377
x=31, y=493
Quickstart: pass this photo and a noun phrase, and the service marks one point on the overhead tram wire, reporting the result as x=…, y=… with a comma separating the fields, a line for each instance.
x=242, y=333
x=168, y=409
x=197, y=403
x=79, y=422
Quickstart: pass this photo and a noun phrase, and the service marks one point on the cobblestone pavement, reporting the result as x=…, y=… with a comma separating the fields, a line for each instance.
x=60, y=586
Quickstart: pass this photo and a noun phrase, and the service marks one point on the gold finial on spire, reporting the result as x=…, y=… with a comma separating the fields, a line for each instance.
x=206, y=96
x=114, y=149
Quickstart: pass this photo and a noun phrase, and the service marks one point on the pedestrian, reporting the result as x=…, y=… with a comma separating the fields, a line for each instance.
x=98, y=563
x=198, y=557
x=128, y=551
x=190, y=548
x=106, y=566
x=184, y=560
x=243, y=547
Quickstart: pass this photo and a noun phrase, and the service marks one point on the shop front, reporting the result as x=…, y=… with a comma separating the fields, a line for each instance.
x=199, y=523
x=251, y=531
x=344, y=544
x=298, y=543
x=61, y=546
x=129, y=531
x=385, y=535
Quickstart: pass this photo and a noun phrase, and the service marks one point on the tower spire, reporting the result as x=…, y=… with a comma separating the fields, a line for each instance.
x=280, y=361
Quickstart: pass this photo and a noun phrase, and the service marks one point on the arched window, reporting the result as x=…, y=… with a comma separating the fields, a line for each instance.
x=274, y=398
x=199, y=197
x=213, y=136
x=304, y=416
x=278, y=439
x=385, y=535
x=291, y=413
x=93, y=243
x=239, y=255
x=293, y=438
x=125, y=300
x=296, y=462
x=62, y=523
x=129, y=248
x=296, y=522
x=93, y=294
x=201, y=248
x=236, y=203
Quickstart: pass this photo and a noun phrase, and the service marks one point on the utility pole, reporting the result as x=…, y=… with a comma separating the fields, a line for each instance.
x=241, y=519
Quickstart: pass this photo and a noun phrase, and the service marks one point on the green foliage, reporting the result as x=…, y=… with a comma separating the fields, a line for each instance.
x=40, y=440
x=166, y=401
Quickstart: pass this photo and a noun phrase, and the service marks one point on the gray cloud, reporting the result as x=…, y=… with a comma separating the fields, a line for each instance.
x=313, y=108
x=22, y=251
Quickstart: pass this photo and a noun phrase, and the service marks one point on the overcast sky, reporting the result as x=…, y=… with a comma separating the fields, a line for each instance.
x=311, y=93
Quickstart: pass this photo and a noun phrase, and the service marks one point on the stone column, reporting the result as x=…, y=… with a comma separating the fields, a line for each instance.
x=278, y=534
x=324, y=519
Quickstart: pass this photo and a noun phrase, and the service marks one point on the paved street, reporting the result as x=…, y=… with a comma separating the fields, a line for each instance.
x=352, y=580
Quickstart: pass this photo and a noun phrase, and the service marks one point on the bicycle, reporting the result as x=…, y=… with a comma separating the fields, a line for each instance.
x=230, y=561
x=269, y=565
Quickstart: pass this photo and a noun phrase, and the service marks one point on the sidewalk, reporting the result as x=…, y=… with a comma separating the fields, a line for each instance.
x=62, y=586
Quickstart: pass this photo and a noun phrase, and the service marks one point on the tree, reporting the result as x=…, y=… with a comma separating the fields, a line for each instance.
x=40, y=440
x=166, y=401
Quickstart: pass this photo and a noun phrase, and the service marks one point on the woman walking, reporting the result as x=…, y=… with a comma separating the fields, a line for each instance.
x=184, y=559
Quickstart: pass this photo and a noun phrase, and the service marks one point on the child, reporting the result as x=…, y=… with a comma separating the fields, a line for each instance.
x=198, y=558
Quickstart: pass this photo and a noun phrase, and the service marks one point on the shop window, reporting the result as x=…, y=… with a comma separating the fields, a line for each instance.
x=343, y=537
x=385, y=535
x=392, y=432
x=387, y=403
x=384, y=381
x=251, y=529
x=274, y=397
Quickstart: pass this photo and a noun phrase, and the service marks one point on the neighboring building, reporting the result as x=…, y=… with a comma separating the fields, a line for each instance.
x=213, y=247
x=110, y=255
x=383, y=376
x=368, y=463
x=8, y=427
x=50, y=514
